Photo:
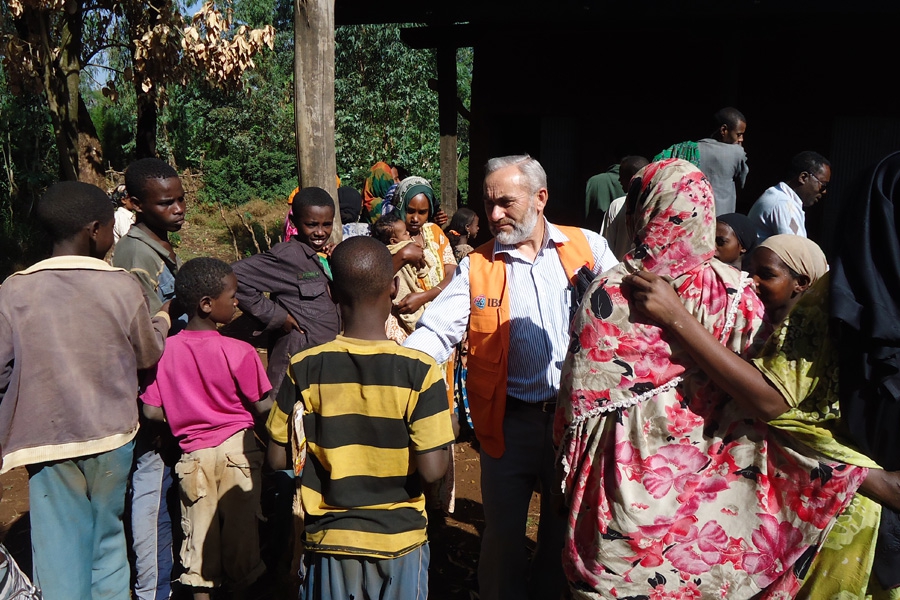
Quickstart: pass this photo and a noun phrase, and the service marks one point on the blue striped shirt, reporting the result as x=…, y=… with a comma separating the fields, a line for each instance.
x=539, y=314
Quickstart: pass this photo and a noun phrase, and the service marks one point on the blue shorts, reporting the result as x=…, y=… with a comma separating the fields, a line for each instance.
x=333, y=577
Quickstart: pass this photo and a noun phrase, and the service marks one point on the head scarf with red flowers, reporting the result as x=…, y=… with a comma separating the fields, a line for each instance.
x=616, y=358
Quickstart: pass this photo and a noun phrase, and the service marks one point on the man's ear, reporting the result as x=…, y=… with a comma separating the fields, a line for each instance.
x=135, y=203
x=205, y=305
x=395, y=287
x=801, y=284
x=93, y=229
x=540, y=200
x=723, y=131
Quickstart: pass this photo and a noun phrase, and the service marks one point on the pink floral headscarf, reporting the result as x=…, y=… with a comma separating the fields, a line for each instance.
x=616, y=359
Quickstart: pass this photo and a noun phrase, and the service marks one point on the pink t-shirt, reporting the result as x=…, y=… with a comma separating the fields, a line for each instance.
x=203, y=383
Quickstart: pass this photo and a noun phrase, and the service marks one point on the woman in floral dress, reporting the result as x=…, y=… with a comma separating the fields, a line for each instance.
x=673, y=489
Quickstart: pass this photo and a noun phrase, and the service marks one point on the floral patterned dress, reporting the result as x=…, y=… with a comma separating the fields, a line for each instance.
x=673, y=490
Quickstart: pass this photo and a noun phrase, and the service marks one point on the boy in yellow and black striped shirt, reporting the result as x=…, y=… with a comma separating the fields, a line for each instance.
x=377, y=424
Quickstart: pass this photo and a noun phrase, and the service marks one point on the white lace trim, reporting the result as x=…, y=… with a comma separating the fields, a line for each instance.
x=732, y=310
x=596, y=412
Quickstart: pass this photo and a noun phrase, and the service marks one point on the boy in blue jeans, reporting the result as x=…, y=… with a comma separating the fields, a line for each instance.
x=377, y=422
x=157, y=197
x=73, y=334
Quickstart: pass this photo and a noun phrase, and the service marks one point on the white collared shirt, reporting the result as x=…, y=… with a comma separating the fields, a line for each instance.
x=778, y=210
x=540, y=300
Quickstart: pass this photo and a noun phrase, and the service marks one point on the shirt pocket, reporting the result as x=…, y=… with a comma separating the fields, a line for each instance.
x=165, y=288
x=314, y=297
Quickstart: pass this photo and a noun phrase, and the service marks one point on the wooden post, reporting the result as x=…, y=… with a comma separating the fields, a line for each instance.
x=314, y=98
x=447, y=101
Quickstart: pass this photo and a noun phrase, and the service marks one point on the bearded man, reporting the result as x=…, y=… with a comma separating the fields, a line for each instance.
x=515, y=296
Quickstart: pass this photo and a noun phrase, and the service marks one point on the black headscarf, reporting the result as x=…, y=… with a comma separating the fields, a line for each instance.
x=744, y=230
x=350, y=202
x=865, y=303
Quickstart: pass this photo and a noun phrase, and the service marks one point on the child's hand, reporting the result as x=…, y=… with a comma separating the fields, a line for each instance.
x=411, y=303
x=412, y=254
x=291, y=324
x=440, y=217
x=328, y=249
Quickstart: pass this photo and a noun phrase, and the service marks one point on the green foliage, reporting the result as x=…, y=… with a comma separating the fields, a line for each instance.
x=28, y=161
x=242, y=142
x=116, y=123
x=384, y=110
x=464, y=59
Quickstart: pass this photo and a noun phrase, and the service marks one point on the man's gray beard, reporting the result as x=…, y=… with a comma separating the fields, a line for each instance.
x=520, y=231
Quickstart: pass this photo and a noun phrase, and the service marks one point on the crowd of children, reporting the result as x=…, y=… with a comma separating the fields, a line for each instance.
x=199, y=396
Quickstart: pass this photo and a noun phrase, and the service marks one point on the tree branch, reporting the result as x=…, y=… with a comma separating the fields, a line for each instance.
x=89, y=57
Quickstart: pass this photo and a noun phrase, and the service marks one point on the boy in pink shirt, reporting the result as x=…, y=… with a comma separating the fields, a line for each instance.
x=204, y=386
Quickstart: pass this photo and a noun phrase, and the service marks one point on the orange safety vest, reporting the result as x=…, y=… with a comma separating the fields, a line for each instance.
x=489, y=333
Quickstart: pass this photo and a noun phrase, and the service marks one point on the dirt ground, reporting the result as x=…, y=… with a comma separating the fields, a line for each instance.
x=454, y=543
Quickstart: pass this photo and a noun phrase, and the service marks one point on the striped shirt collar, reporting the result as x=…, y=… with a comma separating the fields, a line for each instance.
x=551, y=234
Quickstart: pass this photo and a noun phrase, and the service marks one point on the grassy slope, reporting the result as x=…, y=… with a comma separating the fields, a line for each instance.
x=205, y=232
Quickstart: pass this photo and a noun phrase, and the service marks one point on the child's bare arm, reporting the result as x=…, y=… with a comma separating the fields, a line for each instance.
x=655, y=298
x=433, y=465
x=278, y=456
x=262, y=407
x=154, y=413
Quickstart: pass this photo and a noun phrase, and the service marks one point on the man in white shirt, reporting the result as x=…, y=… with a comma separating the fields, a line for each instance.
x=780, y=208
x=515, y=295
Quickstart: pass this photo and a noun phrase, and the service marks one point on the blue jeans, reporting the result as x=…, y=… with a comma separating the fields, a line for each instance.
x=77, y=533
x=151, y=524
x=332, y=577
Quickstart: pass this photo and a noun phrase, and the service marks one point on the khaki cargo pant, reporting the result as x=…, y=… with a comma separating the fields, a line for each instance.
x=220, y=489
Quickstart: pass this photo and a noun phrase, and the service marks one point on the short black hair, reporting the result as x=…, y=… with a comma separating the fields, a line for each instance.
x=143, y=169
x=402, y=173
x=68, y=207
x=383, y=228
x=308, y=197
x=809, y=162
x=362, y=269
x=462, y=218
x=630, y=165
x=197, y=278
x=729, y=117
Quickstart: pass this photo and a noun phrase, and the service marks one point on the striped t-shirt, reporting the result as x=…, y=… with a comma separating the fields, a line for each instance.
x=368, y=406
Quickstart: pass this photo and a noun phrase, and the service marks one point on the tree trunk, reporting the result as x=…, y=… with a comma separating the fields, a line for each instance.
x=447, y=101
x=80, y=156
x=90, y=153
x=314, y=98
x=142, y=18
x=65, y=129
